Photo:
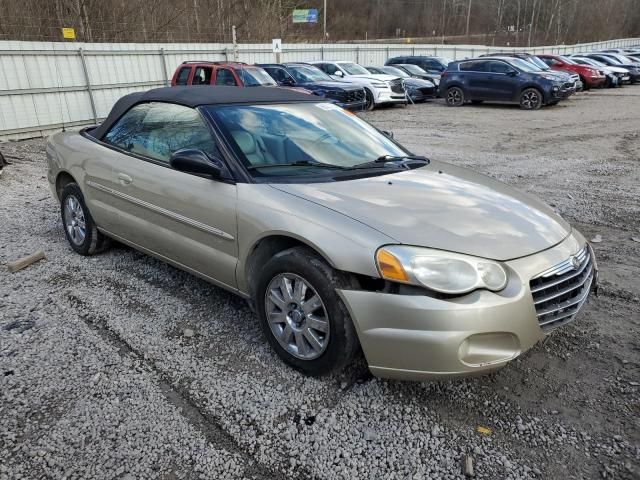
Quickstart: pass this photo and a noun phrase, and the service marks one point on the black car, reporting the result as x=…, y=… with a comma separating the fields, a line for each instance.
x=427, y=63
x=419, y=90
x=346, y=95
x=501, y=79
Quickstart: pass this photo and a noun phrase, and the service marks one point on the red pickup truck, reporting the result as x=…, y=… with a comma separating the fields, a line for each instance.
x=591, y=77
x=221, y=73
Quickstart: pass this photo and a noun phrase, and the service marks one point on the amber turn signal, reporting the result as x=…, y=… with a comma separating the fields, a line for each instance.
x=390, y=267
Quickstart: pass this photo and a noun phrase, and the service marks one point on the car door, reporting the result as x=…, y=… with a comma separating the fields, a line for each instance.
x=473, y=73
x=499, y=85
x=186, y=219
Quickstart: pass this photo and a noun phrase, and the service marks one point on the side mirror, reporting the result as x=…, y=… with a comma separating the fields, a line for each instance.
x=196, y=162
x=338, y=73
x=387, y=133
x=288, y=82
x=512, y=73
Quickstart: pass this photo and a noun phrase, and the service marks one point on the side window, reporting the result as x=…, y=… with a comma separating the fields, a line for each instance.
x=280, y=75
x=498, y=67
x=329, y=68
x=548, y=61
x=472, y=66
x=224, y=76
x=202, y=76
x=156, y=130
x=183, y=76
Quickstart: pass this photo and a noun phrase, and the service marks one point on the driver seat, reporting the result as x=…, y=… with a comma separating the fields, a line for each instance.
x=253, y=147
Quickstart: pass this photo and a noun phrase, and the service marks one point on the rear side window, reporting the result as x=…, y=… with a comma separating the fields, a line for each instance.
x=157, y=130
x=202, y=76
x=224, y=76
x=183, y=76
x=280, y=75
x=472, y=67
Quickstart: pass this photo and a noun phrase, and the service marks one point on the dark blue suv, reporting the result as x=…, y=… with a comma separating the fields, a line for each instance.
x=501, y=79
x=344, y=94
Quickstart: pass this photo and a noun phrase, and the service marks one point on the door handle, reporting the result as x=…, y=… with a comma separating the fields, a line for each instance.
x=124, y=178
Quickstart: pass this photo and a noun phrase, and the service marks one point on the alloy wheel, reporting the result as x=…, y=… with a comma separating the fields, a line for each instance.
x=530, y=100
x=297, y=316
x=74, y=220
x=455, y=97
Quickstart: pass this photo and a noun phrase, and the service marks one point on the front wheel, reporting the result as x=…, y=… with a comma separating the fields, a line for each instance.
x=455, y=97
x=530, y=99
x=302, y=316
x=369, y=103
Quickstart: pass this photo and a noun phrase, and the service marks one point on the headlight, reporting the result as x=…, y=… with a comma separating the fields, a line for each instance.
x=379, y=85
x=441, y=271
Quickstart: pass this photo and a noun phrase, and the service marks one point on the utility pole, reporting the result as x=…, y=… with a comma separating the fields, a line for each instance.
x=324, y=22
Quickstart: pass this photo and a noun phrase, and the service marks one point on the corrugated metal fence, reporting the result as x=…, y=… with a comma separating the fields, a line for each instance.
x=44, y=85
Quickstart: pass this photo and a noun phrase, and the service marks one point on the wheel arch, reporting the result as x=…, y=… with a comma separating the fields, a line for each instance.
x=266, y=247
x=63, y=178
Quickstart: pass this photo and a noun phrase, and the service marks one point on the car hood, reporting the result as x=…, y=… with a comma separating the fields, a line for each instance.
x=375, y=76
x=418, y=83
x=332, y=85
x=444, y=207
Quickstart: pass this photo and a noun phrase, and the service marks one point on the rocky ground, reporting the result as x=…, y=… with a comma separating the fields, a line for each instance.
x=119, y=366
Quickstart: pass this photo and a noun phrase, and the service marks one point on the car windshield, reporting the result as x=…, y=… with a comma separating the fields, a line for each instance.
x=414, y=69
x=309, y=74
x=395, y=71
x=524, y=65
x=611, y=59
x=590, y=61
x=301, y=139
x=255, y=77
x=444, y=61
x=538, y=63
x=353, y=68
x=566, y=60
x=628, y=59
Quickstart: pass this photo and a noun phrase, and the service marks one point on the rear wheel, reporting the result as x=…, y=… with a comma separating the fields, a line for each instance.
x=79, y=227
x=302, y=316
x=585, y=85
x=455, y=97
x=530, y=99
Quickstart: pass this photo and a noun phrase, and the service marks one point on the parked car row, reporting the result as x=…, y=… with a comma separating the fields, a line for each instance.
x=513, y=77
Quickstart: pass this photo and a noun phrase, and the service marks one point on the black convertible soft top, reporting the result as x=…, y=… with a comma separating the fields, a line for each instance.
x=194, y=96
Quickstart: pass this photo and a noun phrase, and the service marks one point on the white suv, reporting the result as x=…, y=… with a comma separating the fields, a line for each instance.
x=379, y=88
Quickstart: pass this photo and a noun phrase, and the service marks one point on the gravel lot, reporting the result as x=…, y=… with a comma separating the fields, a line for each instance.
x=98, y=379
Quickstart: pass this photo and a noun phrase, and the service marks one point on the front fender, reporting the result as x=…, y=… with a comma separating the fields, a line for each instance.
x=346, y=244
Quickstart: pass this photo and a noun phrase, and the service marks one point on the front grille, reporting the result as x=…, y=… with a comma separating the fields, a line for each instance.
x=396, y=85
x=568, y=85
x=349, y=96
x=559, y=292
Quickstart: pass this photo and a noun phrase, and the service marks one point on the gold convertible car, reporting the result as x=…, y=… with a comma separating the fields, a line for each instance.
x=340, y=238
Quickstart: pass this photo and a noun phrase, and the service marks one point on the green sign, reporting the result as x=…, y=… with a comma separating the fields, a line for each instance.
x=305, y=15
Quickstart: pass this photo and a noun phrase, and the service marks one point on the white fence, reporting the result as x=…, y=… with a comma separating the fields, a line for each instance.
x=45, y=85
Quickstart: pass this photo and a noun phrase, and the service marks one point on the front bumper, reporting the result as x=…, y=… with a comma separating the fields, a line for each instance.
x=419, y=337
x=387, y=96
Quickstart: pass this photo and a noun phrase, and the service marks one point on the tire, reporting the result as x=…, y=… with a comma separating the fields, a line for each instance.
x=531, y=99
x=75, y=214
x=369, y=103
x=455, y=97
x=286, y=322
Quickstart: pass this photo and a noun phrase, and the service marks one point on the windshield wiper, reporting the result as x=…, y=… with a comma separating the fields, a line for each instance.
x=297, y=163
x=382, y=161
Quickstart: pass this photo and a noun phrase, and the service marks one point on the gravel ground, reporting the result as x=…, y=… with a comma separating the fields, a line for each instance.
x=119, y=366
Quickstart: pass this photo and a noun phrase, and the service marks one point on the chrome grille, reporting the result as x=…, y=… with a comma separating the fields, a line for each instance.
x=396, y=85
x=559, y=292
